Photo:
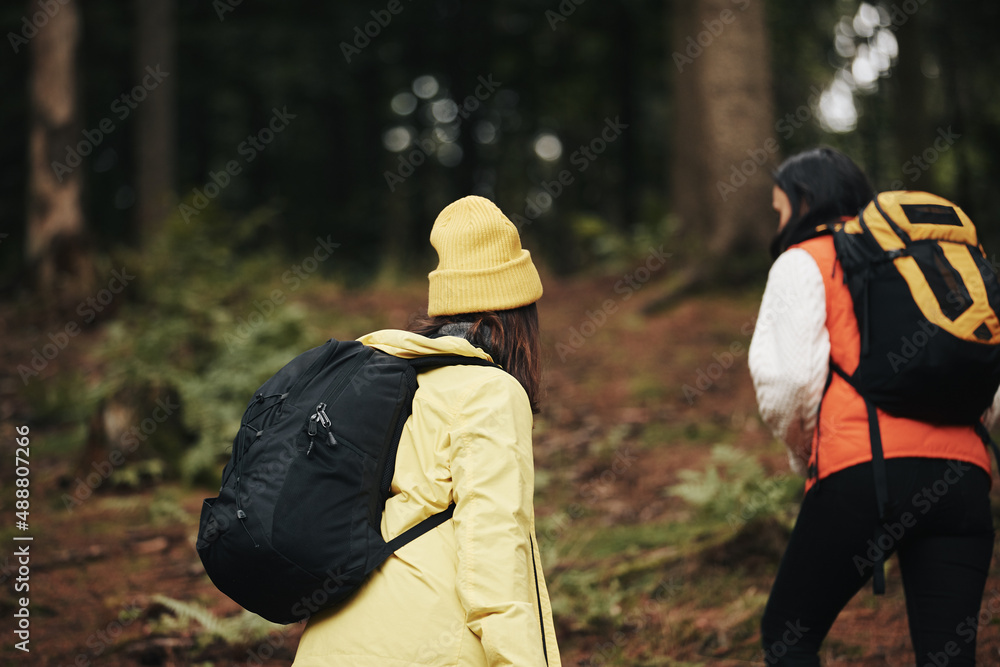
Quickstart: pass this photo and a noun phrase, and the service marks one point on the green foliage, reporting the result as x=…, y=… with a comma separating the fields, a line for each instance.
x=135, y=475
x=600, y=575
x=242, y=629
x=634, y=539
x=587, y=596
x=734, y=488
x=605, y=247
x=165, y=508
x=65, y=442
x=65, y=398
x=701, y=432
x=214, y=318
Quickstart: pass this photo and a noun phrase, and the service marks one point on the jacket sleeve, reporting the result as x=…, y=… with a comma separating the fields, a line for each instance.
x=790, y=351
x=991, y=414
x=493, y=478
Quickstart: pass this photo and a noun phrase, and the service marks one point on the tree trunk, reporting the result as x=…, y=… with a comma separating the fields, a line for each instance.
x=725, y=144
x=628, y=63
x=155, y=116
x=913, y=130
x=58, y=255
x=963, y=100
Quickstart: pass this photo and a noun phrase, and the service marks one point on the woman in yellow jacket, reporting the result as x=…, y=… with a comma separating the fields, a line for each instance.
x=470, y=592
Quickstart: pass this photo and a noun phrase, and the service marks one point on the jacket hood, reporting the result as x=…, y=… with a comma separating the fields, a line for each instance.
x=409, y=345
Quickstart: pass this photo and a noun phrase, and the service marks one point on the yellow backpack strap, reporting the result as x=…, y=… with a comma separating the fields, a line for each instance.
x=925, y=216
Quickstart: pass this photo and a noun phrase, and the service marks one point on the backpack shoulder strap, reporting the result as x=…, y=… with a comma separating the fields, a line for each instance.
x=416, y=531
x=881, y=479
x=422, y=364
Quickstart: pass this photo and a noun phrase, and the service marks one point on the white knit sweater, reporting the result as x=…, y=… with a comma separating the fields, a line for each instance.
x=790, y=351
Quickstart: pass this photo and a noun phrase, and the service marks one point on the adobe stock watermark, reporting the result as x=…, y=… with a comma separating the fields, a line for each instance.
x=223, y=7
x=695, y=45
x=605, y=652
x=621, y=463
x=629, y=284
x=759, y=501
x=759, y=156
x=706, y=376
x=38, y=20
x=899, y=15
x=910, y=346
x=218, y=522
x=265, y=649
x=565, y=9
x=918, y=164
x=581, y=158
x=292, y=279
x=595, y=488
x=321, y=595
x=372, y=29
x=791, y=636
x=893, y=531
x=121, y=108
x=967, y=630
x=102, y=640
x=60, y=339
x=430, y=650
x=792, y=121
x=248, y=149
x=130, y=441
x=424, y=148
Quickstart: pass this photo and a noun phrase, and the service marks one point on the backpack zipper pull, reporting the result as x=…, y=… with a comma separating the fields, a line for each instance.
x=318, y=419
x=321, y=415
x=311, y=429
x=326, y=423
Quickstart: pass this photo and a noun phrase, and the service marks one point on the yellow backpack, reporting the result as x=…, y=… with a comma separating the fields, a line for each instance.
x=927, y=302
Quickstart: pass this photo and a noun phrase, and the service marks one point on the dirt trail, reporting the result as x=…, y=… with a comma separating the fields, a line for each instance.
x=630, y=401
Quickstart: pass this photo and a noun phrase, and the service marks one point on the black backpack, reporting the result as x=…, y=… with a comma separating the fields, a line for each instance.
x=927, y=302
x=296, y=525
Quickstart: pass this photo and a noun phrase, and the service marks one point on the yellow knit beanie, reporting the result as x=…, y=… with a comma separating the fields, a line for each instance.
x=481, y=265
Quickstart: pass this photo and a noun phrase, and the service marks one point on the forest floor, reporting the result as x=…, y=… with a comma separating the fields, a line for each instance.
x=637, y=576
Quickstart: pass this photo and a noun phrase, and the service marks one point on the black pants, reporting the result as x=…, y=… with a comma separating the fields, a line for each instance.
x=938, y=522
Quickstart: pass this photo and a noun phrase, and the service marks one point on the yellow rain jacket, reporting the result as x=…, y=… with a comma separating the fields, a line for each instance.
x=471, y=591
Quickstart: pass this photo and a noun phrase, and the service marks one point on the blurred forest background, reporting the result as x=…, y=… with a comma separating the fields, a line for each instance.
x=193, y=193
x=698, y=86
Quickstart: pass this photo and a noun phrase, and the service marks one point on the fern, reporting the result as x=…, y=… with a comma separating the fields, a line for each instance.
x=186, y=328
x=734, y=487
x=243, y=629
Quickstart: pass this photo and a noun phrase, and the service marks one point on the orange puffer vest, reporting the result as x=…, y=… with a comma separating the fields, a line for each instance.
x=842, y=438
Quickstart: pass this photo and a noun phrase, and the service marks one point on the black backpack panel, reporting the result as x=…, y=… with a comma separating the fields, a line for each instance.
x=296, y=526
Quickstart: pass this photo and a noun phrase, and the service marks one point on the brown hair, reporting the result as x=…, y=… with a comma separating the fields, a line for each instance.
x=509, y=336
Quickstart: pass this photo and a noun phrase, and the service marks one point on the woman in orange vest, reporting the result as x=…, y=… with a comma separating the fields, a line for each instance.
x=938, y=517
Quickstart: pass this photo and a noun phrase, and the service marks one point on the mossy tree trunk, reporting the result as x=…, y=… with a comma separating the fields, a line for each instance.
x=155, y=115
x=58, y=255
x=725, y=144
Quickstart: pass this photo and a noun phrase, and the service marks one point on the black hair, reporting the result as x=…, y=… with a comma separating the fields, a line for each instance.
x=828, y=183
